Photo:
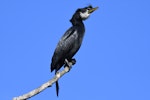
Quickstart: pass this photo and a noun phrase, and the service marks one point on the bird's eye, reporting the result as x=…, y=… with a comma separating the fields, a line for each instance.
x=88, y=8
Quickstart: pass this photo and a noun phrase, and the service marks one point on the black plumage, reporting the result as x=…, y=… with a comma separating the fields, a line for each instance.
x=71, y=41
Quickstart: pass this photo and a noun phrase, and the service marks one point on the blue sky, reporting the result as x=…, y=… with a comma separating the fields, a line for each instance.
x=112, y=64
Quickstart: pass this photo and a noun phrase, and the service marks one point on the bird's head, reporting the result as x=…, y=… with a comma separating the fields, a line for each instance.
x=83, y=13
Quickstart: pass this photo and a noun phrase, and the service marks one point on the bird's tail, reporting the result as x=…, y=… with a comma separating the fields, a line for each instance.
x=57, y=88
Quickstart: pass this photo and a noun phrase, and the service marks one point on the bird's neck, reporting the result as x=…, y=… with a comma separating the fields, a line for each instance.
x=78, y=23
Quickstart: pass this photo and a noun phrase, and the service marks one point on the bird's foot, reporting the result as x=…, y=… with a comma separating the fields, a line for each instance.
x=73, y=61
x=69, y=63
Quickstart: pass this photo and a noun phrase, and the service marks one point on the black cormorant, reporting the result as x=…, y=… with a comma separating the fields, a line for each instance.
x=71, y=41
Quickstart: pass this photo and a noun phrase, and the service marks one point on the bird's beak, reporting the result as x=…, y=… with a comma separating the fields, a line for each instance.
x=92, y=10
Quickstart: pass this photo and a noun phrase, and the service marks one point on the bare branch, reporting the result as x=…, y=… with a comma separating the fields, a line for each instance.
x=45, y=85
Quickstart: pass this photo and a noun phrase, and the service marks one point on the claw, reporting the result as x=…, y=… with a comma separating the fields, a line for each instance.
x=73, y=61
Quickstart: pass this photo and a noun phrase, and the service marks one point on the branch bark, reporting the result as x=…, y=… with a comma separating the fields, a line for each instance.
x=45, y=85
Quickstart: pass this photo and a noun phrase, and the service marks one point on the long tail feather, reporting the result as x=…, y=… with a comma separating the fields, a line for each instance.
x=57, y=85
x=57, y=88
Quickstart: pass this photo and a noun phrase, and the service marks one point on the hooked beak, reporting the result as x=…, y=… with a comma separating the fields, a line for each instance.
x=92, y=10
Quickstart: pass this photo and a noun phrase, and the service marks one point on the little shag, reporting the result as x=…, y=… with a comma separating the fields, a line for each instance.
x=71, y=41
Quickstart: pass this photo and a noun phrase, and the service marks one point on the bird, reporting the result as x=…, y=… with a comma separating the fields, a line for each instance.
x=71, y=41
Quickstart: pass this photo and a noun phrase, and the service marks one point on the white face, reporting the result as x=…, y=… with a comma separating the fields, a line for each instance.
x=84, y=15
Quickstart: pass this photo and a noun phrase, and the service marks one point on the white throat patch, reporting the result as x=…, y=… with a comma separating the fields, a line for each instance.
x=84, y=15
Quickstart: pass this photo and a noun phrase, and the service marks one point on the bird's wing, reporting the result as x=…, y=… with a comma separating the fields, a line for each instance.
x=68, y=33
x=67, y=40
x=64, y=46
